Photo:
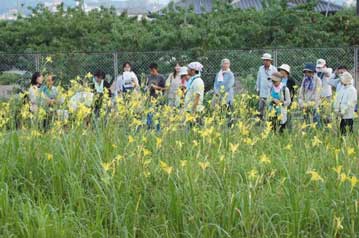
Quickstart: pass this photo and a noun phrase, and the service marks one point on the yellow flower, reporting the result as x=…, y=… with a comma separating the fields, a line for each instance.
x=130, y=139
x=233, y=147
x=106, y=166
x=330, y=125
x=315, y=176
x=316, y=141
x=338, y=169
x=350, y=151
x=158, y=142
x=343, y=177
x=48, y=59
x=203, y=165
x=49, y=156
x=353, y=181
x=146, y=152
x=338, y=223
x=165, y=167
x=147, y=162
x=89, y=75
x=146, y=173
x=179, y=144
x=289, y=147
x=114, y=146
x=221, y=158
x=264, y=159
x=195, y=143
x=183, y=163
x=253, y=174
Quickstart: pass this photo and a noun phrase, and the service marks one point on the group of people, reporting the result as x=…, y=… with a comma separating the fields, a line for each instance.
x=184, y=88
x=276, y=90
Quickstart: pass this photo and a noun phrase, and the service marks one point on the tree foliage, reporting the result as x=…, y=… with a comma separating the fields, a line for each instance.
x=224, y=28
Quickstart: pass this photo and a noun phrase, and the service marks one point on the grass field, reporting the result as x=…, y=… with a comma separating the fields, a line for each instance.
x=119, y=179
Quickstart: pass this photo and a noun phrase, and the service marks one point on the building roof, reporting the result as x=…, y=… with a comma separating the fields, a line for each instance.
x=201, y=6
x=322, y=5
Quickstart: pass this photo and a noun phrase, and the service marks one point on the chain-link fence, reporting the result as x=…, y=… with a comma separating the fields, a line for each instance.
x=244, y=64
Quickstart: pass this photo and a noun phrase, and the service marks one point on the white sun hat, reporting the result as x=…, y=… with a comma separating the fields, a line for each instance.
x=196, y=66
x=183, y=71
x=321, y=63
x=285, y=67
x=267, y=56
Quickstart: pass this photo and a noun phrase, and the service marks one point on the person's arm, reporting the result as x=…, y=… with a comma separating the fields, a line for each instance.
x=318, y=91
x=258, y=83
x=300, y=94
x=287, y=99
x=161, y=84
x=195, y=102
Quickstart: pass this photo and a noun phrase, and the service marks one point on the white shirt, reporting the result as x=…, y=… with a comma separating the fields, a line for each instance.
x=326, y=86
x=263, y=85
x=195, y=87
x=345, y=102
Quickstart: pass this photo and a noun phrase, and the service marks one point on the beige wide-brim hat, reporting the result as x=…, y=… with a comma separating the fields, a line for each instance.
x=267, y=56
x=276, y=77
x=346, y=78
x=285, y=67
x=183, y=71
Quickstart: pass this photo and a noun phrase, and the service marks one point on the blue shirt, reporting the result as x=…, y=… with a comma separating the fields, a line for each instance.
x=227, y=84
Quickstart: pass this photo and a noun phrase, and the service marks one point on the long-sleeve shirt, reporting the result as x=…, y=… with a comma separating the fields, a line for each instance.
x=310, y=96
x=335, y=82
x=325, y=74
x=227, y=84
x=345, y=102
x=263, y=85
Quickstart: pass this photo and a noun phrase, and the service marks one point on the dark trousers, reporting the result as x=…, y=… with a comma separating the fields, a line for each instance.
x=346, y=124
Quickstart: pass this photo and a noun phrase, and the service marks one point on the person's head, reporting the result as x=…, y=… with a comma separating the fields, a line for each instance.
x=194, y=68
x=276, y=78
x=99, y=75
x=321, y=63
x=184, y=73
x=176, y=69
x=346, y=78
x=154, y=69
x=127, y=67
x=225, y=64
x=284, y=69
x=309, y=70
x=267, y=60
x=51, y=80
x=36, y=79
x=342, y=69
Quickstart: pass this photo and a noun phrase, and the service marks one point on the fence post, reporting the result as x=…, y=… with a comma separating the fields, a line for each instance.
x=37, y=62
x=115, y=64
x=275, y=57
x=356, y=66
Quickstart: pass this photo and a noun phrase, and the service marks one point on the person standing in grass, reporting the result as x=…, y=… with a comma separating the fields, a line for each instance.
x=325, y=73
x=263, y=83
x=287, y=80
x=309, y=94
x=195, y=89
x=224, y=81
x=126, y=82
x=278, y=102
x=35, y=95
x=100, y=86
x=156, y=85
x=182, y=89
x=173, y=84
x=345, y=103
x=335, y=78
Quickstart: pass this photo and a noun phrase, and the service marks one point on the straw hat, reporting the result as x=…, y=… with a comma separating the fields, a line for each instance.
x=346, y=78
x=276, y=77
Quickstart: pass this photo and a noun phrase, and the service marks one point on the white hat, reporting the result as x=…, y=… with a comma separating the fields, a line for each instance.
x=196, y=66
x=267, y=56
x=285, y=67
x=346, y=78
x=183, y=71
x=321, y=63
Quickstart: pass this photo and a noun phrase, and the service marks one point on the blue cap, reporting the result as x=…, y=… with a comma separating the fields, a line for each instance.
x=309, y=67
